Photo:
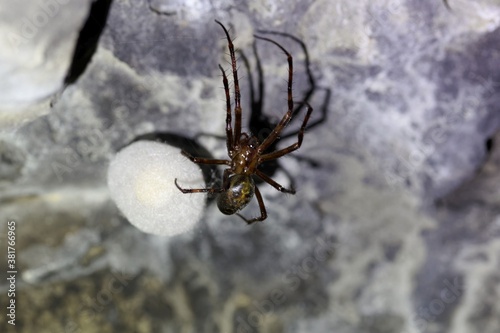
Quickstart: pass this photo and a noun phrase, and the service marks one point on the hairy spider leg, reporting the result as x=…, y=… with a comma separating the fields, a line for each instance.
x=199, y=160
x=294, y=146
x=273, y=183
x=257, y=103
x=307, y=66
x=286, y=118
x=237, y=94
x=229, y=130
x=210, y=190
x=312, y=84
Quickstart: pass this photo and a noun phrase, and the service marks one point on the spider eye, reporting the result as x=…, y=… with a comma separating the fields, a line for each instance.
x=237, y=196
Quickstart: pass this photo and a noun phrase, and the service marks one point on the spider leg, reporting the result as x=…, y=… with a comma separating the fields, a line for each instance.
x=288, y=116
x=319, y=120
x=198, y=190
x=307, y=65
x=229, y=130
x=201, y=160
x=263, y=213
x=237, y=94
x=311, y=82
x=207, y=190
x=273, y=183
x=295, y=146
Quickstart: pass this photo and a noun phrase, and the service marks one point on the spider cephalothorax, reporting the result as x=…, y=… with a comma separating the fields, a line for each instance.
x=246, y=153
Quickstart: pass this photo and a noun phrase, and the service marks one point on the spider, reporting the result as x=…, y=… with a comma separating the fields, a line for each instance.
x=245, y=151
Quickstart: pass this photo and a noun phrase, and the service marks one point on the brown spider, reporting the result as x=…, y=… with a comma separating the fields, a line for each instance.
x=246, y=153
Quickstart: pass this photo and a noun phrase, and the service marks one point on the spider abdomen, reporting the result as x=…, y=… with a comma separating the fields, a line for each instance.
x=239, y=193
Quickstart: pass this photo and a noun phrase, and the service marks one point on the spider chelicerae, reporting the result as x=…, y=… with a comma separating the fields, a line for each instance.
x=245, y=151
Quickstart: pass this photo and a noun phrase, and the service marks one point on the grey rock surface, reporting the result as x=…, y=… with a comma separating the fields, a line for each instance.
x=394, y=227
x=38, y=42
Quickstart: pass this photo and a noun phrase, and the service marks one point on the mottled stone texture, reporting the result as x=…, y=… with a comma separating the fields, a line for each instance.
x=394, y=227
x=37, y=46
